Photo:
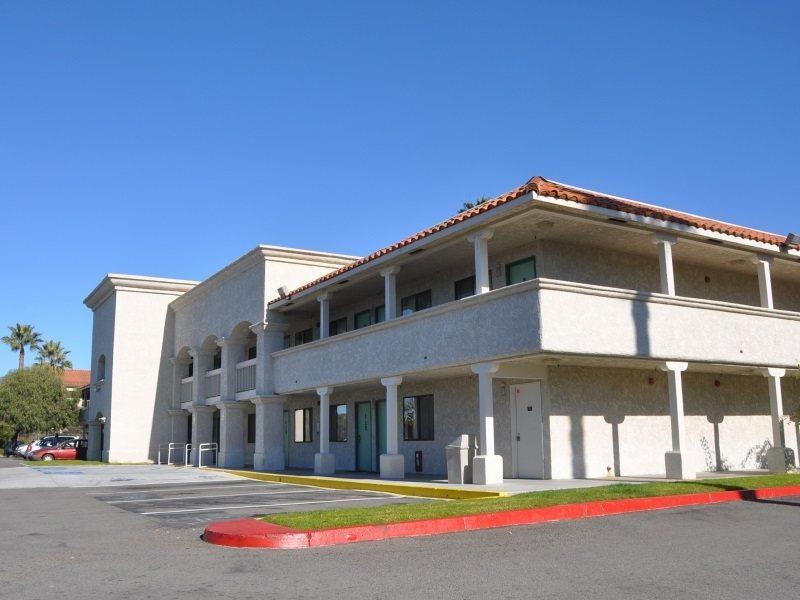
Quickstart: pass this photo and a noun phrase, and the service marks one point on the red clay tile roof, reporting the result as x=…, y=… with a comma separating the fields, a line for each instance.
x=76, y=378
x=544, y=187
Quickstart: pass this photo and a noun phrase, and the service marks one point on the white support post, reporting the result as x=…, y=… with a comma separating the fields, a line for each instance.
x=675, y=464
x=665, y=243
x=392, y=464
x=268, y=454
x=763, y=263
x=232, y=427
x=324, y=461
x=390, y=291
x=487, y=466
x=480, y=241
x=231, y=353
x=324, y=315
x=199, y=365
x=778, y=460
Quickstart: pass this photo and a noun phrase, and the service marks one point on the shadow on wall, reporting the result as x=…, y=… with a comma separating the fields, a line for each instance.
x=576, y=443
x=641, y=322
x=161, y=423
x=615, y=420
x=713, y=458
x=756, y=456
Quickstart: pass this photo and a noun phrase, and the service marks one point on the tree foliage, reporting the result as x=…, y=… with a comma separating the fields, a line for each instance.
x=474, y=203
x=35, y=399
x=52, y=353
x=21, y=337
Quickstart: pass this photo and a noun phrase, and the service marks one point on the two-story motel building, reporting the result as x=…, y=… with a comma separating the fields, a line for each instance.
x=576, y=334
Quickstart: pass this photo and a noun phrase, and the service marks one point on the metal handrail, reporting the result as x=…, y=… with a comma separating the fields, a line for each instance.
x=186, y=453
x=206, y=447
x=171, y=449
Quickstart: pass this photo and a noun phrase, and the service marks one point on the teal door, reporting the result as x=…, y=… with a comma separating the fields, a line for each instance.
x=380, y=409
x=286, y=438
x=363, y=436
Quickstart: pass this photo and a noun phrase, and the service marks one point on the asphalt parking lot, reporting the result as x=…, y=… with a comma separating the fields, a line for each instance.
x=195, y=504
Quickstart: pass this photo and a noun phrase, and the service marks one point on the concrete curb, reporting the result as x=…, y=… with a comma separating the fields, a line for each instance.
x=389, y=487
x=252, y=533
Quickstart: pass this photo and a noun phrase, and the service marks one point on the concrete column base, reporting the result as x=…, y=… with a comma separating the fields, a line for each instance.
x=675, y=467
x=393, y=466
x=780, y=460
x=487, y=469
x=324, y=464
x=231, y=459
x=268, y=461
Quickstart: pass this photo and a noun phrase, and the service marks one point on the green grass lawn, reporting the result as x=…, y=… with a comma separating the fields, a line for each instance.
x=394, y=513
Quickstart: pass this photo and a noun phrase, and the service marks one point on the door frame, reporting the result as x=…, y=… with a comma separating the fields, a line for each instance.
x=377, y=448
x=368, y=468
x=513, y=432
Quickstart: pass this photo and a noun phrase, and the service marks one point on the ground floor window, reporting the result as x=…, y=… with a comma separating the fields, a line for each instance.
x=251, y=428
x=338, y=423
x=302, y=425
x=418, y=418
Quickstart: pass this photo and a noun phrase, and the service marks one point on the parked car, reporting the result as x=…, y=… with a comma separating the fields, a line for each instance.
x=49, y=441
x=13, y=447
x=73, y=449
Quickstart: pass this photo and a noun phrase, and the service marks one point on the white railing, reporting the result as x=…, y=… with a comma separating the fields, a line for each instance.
x=246, y=375
x=172, y=452
x=212, y=383
x=211, y=447
x=186, y=389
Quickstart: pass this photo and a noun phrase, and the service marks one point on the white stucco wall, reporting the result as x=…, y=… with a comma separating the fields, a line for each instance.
x=584, y=402
x=102, y=345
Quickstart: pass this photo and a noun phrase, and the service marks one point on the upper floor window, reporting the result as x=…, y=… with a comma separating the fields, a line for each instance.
x=415, y=302
x=418, y=418
x=252, y=353
x=521, y=270
x=302, y=425
x=465, y=287
x=362, y=319
x=303, y=337
x=380, y=313
x=191, y=369
x=337, y=427
x=287, y=341
x=338, y=326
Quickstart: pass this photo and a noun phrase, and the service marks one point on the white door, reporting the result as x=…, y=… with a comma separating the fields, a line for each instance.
x=528, y=401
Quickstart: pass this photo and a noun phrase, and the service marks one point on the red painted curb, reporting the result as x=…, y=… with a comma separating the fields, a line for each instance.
x=252, y=533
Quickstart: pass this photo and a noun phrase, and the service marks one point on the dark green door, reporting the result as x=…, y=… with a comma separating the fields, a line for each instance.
x=380, y=410
x=363, y=436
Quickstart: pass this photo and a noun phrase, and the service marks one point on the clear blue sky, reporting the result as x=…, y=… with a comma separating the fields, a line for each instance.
x=169, y=138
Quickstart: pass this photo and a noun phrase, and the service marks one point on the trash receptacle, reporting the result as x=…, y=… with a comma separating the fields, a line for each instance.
x=460, y=453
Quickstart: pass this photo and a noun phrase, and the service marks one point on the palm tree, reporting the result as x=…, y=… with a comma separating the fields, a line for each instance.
x=53, y=353
x=22, y=336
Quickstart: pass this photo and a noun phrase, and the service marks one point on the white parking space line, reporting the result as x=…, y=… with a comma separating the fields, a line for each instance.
x=221, y=508
x=280, y=492
x=194, y=488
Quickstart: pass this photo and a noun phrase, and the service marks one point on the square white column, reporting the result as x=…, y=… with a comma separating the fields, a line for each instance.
x=778, y=459
x=480, y=242
x=269, y=339
x=390, y=291
x=232, y=418
x=665, y=243
x=231, y=352
x=675, y=461
x=200, y=363
x=324, y=461
x=487, y=467
x=268, y=454
x=764, y=266
x=392, y=464
x=202, y=429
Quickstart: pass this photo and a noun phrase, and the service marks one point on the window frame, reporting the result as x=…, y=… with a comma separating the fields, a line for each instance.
x=429, y=428
x=376, y=312
x=516, y=263
x=361, y=313
x=335, y=323
x=299, y=335
x=307, y=415
x=470, y=279
x=416, y=300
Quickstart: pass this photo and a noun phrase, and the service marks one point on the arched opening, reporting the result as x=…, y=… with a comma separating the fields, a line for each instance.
x=245, y=339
